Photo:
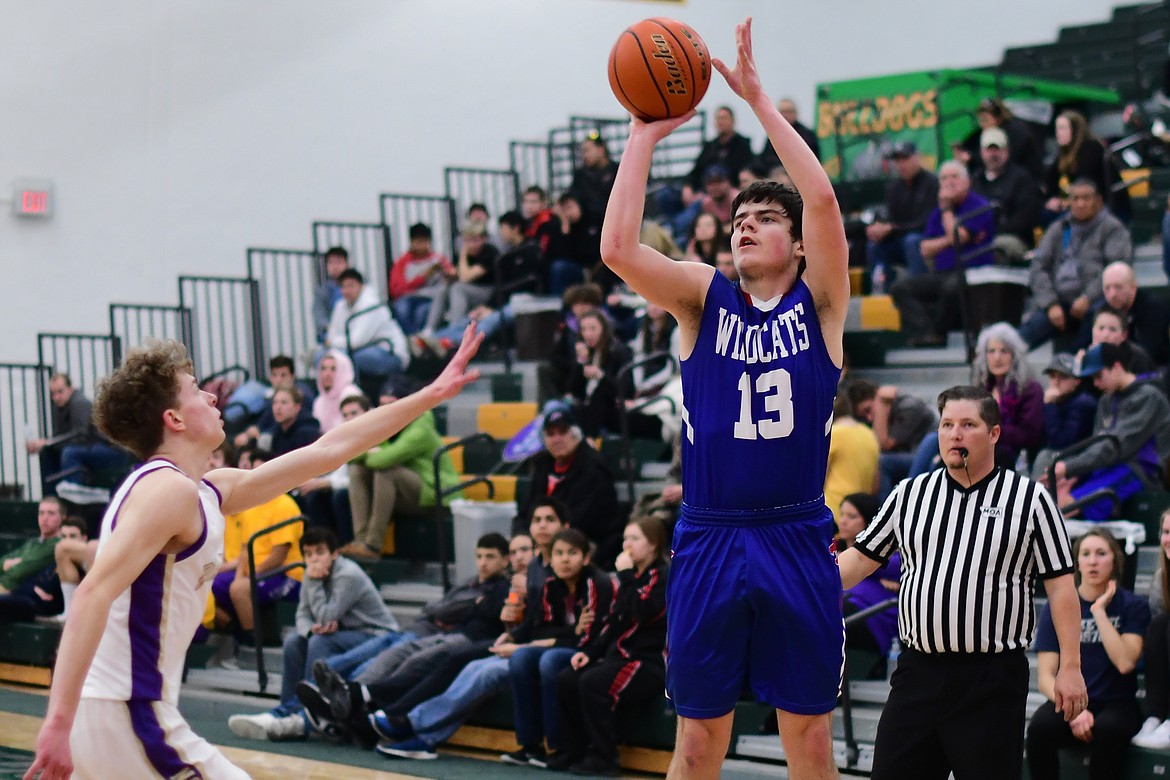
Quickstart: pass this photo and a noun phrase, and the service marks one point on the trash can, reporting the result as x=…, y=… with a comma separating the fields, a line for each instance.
x=471, y=520
x=536, y=322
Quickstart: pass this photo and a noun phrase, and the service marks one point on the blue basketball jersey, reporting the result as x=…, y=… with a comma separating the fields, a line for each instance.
x=758, y=393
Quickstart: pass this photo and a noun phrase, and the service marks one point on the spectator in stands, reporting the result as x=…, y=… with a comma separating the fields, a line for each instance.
x=896, y=239
x=232, y=588
x=568, y=611
x=707, y=236
x=572, y=471
x=900, y=421
x=553, y=376
x=328, y=293
x=623, y=665
x=1001, y=367
x=1145, y=315
x=596, y=384
x=725, y=262
x=73, y=555
x=1026, y=152
x=521, y=264
x=1137, y=414
x=414, y=726
x=915, y=296
x=728, y=149
x=339, y=608
x=475, y=272
x=593, y=181
x=1155, y=732
x=1069, y=409
x=665, y=506
x=853, y=455
x=1081, y=156
x=716, y=199
x=418, y=282
x=35, y=554
x=878, y=632
x=1068, y=263
x=292, y=430
x=395, y=477
x=325, y=499
x=573, y=247
x=29, y=585
x=76, y=445
x=538, y=216
x=787, y=108
x=363, y=328
x=757, y=171
x=1109, y=328
x=466, y=615
x=657, y=333
x=256, y=399
x=1013, y=189
x=334, y=382
x=1113, y=623
x=477, y=214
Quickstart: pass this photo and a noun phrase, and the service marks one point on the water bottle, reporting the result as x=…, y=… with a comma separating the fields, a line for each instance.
x=892, y=658
x=878, y=285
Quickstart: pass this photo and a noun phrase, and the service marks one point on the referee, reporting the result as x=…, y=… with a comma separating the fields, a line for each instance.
x=973, y=539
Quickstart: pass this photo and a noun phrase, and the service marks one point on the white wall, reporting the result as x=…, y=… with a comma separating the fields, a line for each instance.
x=179, y=133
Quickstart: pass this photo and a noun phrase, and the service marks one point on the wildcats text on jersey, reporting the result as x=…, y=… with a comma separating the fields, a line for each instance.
x=785, y=335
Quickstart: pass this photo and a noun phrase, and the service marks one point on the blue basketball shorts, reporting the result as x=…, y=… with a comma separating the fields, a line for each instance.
x=754, y=597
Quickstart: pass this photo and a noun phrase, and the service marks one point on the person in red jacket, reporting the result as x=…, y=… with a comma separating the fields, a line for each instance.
x=419, y=281
x=625, y=662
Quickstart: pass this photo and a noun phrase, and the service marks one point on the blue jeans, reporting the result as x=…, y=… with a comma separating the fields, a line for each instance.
x=898, y=250
x=91, y=457
x=534, y=673
x=892, y=469
x=376, y=360
x=562, y=274
x=411, y=312
x=436, y=720
x=299, y=656
x=354, y=660
x=488, y=326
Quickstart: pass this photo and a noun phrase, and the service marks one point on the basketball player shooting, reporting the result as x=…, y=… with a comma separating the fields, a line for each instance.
x=754, y=592
x=113, y=708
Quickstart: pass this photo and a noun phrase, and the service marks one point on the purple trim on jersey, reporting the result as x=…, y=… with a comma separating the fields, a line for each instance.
x=218, y=495
x=142, y=472
x=145, y=626
x=195, y=547
x=164, y=758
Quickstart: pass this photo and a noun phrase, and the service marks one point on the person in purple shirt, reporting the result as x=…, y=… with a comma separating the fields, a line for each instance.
x=1001, y=367
x=915, y=295
x=877, y=632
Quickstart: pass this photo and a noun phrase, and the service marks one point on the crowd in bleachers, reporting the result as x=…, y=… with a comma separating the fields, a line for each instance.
x=570, y=612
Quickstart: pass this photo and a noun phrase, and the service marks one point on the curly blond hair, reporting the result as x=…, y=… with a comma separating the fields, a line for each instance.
x=130, y=402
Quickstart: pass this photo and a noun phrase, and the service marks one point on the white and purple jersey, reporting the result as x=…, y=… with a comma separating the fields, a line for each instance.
x=150, y=627
x=758, y=393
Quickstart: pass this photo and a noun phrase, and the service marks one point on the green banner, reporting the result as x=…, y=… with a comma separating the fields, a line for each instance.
x=858, y=121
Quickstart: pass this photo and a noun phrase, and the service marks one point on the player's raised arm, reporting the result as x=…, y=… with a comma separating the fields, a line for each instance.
x=825, y=248
x=244, y=489
x=677, y=287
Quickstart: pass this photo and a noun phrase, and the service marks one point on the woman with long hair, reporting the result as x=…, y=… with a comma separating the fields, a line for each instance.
x=1080, y=155
x=1113, y=622
x=707, y=235
x=594, y=383
x=1001, y=366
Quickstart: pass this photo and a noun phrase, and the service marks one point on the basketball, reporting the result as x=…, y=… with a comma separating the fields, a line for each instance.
x=659, y=69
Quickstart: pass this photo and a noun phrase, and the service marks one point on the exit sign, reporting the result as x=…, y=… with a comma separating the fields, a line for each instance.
x=33, y=199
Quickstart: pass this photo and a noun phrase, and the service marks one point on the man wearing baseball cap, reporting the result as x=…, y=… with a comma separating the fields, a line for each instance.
x=895, y=238
x=1134, y=411
x=1004, y=182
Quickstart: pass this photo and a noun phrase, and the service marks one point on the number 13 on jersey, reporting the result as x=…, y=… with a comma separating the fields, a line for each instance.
x=776, y=388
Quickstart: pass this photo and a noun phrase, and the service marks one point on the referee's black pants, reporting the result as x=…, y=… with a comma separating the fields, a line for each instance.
x=953, y=712
x=1114, y=724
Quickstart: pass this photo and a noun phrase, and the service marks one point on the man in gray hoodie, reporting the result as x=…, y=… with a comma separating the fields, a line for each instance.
x=1137, y=413
x=339, y=608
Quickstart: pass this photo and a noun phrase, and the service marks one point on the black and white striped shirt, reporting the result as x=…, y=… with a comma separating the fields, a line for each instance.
x=970, y=559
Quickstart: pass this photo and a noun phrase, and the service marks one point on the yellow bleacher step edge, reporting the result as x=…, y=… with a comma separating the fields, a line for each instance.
x=878, y=312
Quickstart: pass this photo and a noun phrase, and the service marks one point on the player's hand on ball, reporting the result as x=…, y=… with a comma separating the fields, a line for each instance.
x=658, y=129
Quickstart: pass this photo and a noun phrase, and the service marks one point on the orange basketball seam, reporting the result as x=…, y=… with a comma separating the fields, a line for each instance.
x=654, y=81
x=617, y=78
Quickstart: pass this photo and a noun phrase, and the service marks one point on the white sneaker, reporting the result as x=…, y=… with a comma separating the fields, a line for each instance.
x=1146, y=730
x=252, y=726
x=289, y=727
x=1159, y=739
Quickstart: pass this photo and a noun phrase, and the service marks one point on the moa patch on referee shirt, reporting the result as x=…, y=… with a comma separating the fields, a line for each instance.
x=991, y=512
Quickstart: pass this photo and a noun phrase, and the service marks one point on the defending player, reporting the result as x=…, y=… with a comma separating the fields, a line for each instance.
x=754, y=592
x=115, y=691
